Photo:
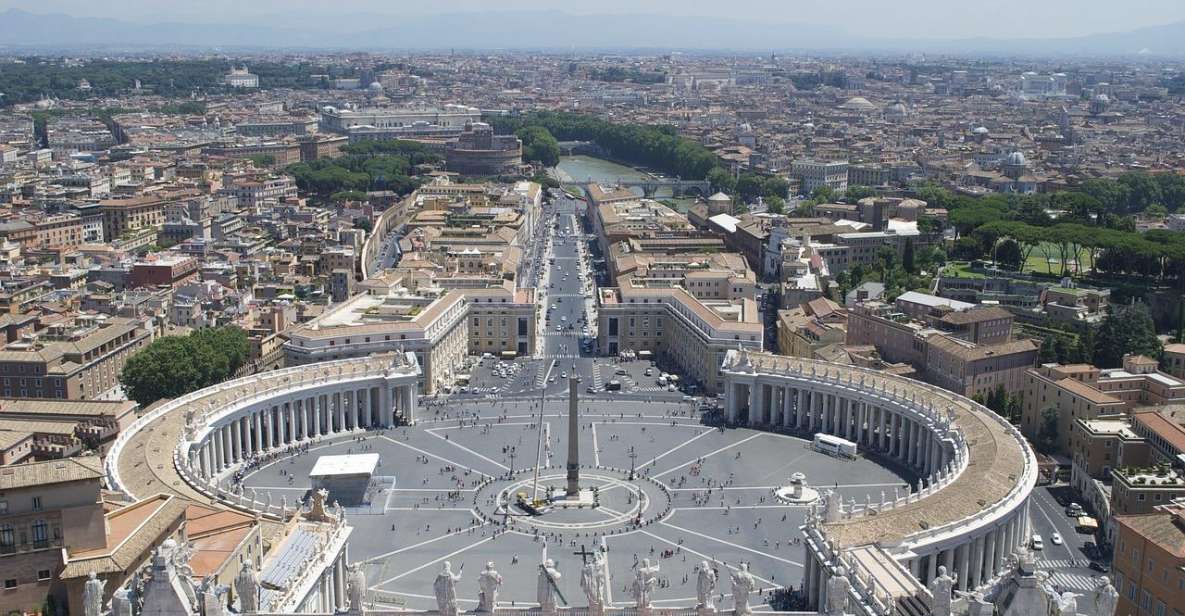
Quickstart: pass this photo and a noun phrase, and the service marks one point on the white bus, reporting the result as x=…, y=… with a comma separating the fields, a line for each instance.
x=834, y=446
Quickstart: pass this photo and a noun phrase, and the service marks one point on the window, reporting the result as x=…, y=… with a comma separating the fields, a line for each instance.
x=43, y=574
x=36, y=503
x=10, y=583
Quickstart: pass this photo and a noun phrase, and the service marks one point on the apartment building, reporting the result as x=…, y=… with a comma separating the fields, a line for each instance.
x=1149, y=562
x=1083, y=391
x=121, y=216
x=805, y=329
x=431, y=323
x=76, y=359
x=964, y=348
x=672, y=324
x=814, y=174
x=46, y=509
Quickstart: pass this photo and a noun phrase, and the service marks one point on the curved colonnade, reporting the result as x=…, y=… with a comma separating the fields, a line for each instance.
x=975, y=472
x=215, y=431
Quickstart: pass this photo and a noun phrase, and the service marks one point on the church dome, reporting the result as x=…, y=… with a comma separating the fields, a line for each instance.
x=980, y=130
x=858, y=103
x=720, y=197
x=1017, y=159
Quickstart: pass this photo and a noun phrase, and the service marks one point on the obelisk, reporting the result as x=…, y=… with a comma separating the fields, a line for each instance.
x=573, y=437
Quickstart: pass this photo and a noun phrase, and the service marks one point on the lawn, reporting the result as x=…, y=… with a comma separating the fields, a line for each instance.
x=1046, y=259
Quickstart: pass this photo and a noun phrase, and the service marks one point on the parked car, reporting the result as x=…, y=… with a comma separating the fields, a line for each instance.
x=1036, y=543
x=1101, y=567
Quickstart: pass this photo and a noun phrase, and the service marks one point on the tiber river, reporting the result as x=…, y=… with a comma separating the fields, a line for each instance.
x=581, y=169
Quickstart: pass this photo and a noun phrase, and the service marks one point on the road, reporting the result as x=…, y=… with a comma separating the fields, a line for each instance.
x=1067, y=564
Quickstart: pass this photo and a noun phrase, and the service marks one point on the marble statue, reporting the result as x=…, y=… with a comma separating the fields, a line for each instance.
x=1105, y=598
x=545, y=590
x=1067, y=603
x=488, y=581
x=247, y=587
x=940, y=589
x=445, y=588
x=594, y=581
x=121, y=603
x=838, y=587
x=356, y=588
x=92, y=595
x=645, y=583
x=705, y=587
x=743, y=583
x=829, y=502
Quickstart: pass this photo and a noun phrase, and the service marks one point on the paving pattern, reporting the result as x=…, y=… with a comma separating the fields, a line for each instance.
x=436, y=497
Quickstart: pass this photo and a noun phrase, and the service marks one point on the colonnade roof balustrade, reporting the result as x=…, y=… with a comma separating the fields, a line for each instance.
x=141, y=461
x=1000, y=467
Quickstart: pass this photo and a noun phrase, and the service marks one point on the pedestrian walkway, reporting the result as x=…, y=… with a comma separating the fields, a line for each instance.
x=1073, y=581
x=598, y=382
x=1065, y=563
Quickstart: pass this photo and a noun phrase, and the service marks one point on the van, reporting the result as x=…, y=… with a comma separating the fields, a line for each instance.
x=1036, y=543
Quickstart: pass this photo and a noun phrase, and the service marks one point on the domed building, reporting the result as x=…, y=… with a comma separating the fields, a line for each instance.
x=1015, y=165
x=896, y=112
x=1099, y=104
x=859, y=104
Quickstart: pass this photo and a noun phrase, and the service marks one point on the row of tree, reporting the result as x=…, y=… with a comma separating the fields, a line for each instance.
x=365, y=166
x=1157, y=252
x=176, y=365
x=654, y=147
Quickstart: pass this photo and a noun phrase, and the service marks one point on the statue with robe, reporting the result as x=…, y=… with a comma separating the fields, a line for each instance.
x=92, y=595
x=445, y=588
x=705, y=587
x=594, y=581
x=247, y=587
x=941, y=588
x=545, y=589
x=488, y=581
x=838, y=587
x=743, y=584
x=356, y=588
x=1106, y=598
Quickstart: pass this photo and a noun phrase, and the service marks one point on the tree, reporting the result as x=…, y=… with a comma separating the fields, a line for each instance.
x=174, y=365
x=856, y=193
x=1047, y=433
x=364, y=223
x=1125, y=330
x=1008, y=254
x=907, y=255
x=1047, y=354
x=539, y=145
x=722, y=181
x=775, y=204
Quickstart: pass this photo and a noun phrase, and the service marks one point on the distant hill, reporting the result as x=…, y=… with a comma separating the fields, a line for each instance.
x=536, y=30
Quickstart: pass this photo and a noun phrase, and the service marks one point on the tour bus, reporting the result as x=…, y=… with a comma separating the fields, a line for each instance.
x=834, y=446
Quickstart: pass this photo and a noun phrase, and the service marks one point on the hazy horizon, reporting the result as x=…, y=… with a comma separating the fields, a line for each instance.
x=920, y=19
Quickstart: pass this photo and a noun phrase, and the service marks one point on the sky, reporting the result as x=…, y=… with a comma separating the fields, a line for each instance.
x=884, y=18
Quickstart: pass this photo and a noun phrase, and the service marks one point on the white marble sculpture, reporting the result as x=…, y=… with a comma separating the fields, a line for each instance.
x=445, y=588
x=705, y=588
x=356, y=588
x=488, y=581
x=545, y=589
x=92, y=595
x=838, y=587
x=1105, y=598
x=645, y=583
x=247, y=587
x=743, y=584
x=940, y=589
x=594, y=581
